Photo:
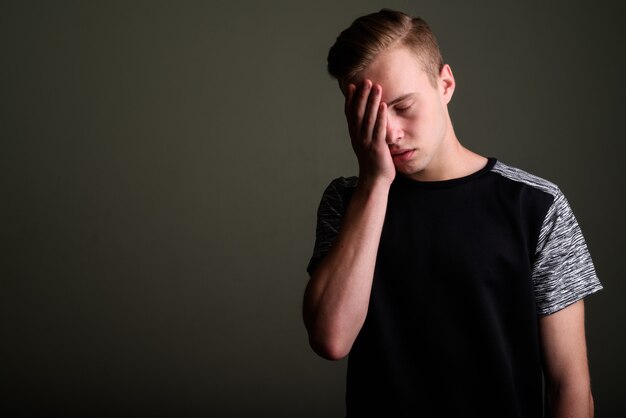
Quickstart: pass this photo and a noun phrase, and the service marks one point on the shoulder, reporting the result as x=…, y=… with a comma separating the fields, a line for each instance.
x=340, y=184
x=562, y=269
x=339, y=191
x=329, y=216
x=520, y=176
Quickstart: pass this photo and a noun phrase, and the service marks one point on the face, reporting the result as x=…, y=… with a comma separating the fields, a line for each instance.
x=419, y=131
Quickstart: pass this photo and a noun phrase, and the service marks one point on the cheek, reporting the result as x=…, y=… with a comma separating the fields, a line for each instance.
x=428, y=126
x=423, y=122
x=434, y=118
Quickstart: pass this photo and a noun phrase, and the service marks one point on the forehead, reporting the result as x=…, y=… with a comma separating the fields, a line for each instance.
x=398, y=70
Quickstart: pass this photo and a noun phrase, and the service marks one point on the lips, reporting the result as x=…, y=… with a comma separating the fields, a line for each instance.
x=402, y=155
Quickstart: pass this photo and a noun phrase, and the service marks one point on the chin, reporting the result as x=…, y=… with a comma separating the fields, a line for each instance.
x=412, y=169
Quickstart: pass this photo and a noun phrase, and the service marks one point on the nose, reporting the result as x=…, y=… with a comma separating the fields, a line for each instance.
x=394, y=131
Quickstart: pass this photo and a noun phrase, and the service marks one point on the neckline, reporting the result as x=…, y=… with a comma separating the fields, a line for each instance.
x=491, y=161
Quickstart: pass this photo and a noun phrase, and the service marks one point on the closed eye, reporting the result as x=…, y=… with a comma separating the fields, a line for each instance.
x=403, y=108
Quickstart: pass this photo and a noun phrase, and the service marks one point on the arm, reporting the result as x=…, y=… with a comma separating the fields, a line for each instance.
x=337, y=296
x=568, y=391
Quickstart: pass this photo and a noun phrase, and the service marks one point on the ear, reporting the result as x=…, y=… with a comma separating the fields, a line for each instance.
x=446, y=83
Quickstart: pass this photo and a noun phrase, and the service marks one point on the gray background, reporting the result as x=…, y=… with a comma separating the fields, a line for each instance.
x=161, y=164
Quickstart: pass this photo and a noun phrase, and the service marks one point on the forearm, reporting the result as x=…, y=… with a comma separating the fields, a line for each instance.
x=337, y=296
x=569, y=401
x=564, y=351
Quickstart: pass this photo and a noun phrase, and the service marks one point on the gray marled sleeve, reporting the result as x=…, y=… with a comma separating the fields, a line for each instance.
x=563, y=272
x=329, y=215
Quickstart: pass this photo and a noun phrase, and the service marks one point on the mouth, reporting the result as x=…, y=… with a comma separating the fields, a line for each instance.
x=402, y=155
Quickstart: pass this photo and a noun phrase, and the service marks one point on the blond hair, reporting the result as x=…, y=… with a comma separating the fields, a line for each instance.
x=358, y=45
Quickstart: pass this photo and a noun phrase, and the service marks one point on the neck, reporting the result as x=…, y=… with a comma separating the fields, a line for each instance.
x=452, y=161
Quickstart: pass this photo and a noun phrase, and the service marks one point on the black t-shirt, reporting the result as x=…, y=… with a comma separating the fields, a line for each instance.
x=464, y=268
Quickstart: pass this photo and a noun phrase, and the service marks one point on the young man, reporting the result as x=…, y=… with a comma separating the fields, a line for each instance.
x=452, y=281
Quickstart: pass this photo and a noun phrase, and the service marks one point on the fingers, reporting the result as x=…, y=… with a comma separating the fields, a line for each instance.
x=380, y=129
x=367, y=122
x=362, y=108
x=360, y=102
x=349, y=99
x=371, y=113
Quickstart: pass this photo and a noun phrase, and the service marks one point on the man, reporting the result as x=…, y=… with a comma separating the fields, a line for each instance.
x=452, y=281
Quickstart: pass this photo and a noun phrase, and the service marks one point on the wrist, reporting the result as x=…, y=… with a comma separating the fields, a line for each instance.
x=374, y=184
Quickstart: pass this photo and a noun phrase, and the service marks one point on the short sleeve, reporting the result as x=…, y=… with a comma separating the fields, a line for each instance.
x=563, y=271
x=329, y=215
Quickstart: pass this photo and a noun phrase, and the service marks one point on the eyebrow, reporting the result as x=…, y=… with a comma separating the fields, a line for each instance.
x=400, y=98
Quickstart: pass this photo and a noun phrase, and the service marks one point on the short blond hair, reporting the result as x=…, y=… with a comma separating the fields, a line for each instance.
x=358, y=45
